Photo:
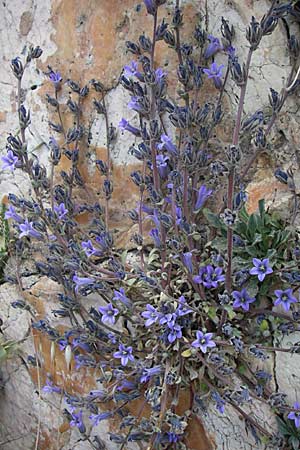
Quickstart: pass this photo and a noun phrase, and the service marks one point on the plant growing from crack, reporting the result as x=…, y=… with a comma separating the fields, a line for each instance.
x=214, y=292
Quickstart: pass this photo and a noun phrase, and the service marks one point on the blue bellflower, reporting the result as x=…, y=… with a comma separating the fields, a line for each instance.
x=121, y=297
x=50, y=387
x=151, y=315
x=125, y=354
x=124, y=125
x=132, y=71
x=154, y=234
x=294, y=415
x=147, y=374
x=213, y=47
x=167, y=144
x=109, y=313
x=77, y=421
x=56, y=78
x=203, y=194
x=150, y=6
x=9, y=161
x=61, y=211
x=188, y=261
x=97, y=418
x=27, y=229
x=88, y=248
x=261, y=268
x=203, y=341
x=242, y=299
x=162, y=165
x=285, y=298
x=81, y=281
x=10, y=213
x=209, y=276
x=215, y=73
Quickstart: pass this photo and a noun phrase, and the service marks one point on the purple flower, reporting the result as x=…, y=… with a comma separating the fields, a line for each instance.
x=27, y=229
x=166, y=143
x=242, y=299
x=154, y=234
x=295, y=415
x=174, y=333
x=173, y=437
x=168, y=319
x=150, y=6
x=209, y=276
x=159, y=74
x=203, y=194
x=62, y=343
x=9, y=161
x=135, y=104
x=88, y=248
x=220, y=403
x=50, y=387
x=261, y=268
x=61, y=211
x=162, y=165
x=97, y=418
x=132, y=71
x=151, y=314
x=10, y=213
x=77, y=421
x=81, y=281
x=78, y=343
x=178, y=215
x=97, y=394
x=121, y=297
x=56, y=78
x=188, y=261
x=203, y=341
x=213, y=47
x=285, y=298
x=215, y=72
x=109, y=313
x=125, y=354
x=126, y=384
x=183, y=308
x=148, y=373
x=124, y=125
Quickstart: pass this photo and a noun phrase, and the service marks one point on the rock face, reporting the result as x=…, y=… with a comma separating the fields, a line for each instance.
x=85, y=39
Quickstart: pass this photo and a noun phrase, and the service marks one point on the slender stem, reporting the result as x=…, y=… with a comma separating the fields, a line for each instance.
x=152, y=109
x=284, y=93
x=231, y=177
x=108, y=160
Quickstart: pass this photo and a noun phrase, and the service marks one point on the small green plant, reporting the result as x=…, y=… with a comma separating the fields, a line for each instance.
x=290, y=432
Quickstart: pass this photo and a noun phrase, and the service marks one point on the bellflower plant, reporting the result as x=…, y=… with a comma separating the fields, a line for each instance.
x=193, y=304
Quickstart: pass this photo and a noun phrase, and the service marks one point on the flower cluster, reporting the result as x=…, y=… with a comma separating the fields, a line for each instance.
x=198, y=300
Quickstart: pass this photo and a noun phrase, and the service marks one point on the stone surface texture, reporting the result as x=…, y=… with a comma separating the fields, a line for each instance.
x=85, y=39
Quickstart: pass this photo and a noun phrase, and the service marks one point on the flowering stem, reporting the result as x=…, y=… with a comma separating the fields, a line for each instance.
x=284, y=94
x=76, y=145
x=152, y=109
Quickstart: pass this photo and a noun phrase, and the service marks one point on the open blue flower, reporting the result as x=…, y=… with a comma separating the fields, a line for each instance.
x=261, y=268
x=109, y=313
x=209, y=276
x=213, y=47
x=9, y=161
x=125, y=354
x=294, y=415
x=215, y=73
x=285, y=298
x=242, y=299
x=203, y=341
